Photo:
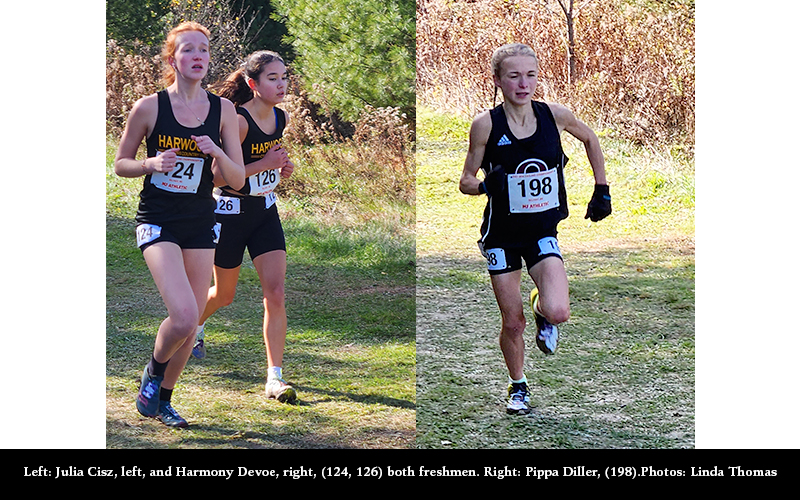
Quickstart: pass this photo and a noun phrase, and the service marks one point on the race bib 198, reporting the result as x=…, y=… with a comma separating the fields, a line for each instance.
x=496, y=259
x=533, y=192
x=548, y=246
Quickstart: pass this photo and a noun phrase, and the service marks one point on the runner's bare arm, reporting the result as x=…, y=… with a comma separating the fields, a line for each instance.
x=478, y=137
x=567, y=121
x=139, y=124
x=228, y=162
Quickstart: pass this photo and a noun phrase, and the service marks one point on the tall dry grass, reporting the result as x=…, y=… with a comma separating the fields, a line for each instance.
x=130, y=75
x=635, y=60
x=375, y=153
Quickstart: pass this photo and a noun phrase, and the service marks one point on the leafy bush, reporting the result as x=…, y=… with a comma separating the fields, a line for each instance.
x=372, y=157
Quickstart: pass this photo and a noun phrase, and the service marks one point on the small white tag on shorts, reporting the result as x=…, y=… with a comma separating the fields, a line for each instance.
x=549, y=246
x=217, y=230
x=270, y=200
x=145, y=233
x=496, y=259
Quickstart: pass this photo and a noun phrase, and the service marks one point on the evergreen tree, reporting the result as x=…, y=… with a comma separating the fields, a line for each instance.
x=143, y=20
x=354, y=53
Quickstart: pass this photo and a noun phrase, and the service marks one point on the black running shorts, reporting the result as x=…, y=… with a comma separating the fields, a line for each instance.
x=254, y=227
x=185, y=235
x=505, y=260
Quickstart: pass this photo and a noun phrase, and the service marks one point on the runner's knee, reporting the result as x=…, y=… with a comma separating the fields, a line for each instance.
x=183, y=322
x=274, y=294
x=556, y=313
x=513, y=327
x=226, y=299
x=222, y=296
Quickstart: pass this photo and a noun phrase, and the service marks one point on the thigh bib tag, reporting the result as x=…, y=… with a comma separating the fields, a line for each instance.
x=228, y=205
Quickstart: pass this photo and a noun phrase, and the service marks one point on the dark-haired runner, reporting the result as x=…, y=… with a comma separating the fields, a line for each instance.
x=249, y=215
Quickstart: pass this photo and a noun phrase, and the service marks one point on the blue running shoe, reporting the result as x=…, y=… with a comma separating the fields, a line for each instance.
x=147, y=400
x=518, y=399
x=546, y=332
x=170, y=417
x=199, y=349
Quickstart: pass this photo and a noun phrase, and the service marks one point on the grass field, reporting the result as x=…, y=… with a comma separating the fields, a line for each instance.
x=623, y=376
x=350, y=348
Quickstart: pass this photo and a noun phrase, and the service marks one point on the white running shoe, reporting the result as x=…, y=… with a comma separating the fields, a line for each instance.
x=518, y=399
x=277, y=388
x=546, y=332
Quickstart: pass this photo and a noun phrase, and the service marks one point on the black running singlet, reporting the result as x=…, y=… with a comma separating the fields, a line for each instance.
x=184, y=194
x=535, y=197
x=255, y=145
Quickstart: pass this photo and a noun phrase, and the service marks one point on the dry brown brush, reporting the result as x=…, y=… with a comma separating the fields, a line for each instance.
x=129, y=76
x=634, y=60
x=378, y=149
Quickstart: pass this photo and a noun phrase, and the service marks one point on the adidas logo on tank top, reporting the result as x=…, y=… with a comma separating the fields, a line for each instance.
x=504, y=141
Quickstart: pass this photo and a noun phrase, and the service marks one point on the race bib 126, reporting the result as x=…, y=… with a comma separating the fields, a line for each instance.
x=264, y=182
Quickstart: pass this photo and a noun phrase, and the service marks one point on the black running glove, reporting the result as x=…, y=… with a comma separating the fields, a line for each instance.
x=600, y=204
x=494, y=183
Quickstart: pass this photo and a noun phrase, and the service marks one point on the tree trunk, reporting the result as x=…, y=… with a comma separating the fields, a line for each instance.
x=568, y=15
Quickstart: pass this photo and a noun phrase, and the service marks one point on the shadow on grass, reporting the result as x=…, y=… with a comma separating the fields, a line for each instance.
x=350, y=306
x=623, y=376
x=227, y=437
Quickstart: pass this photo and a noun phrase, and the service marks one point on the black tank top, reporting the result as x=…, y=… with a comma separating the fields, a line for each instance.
x=255, y=145
x=185, y=194
x=532, y=201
